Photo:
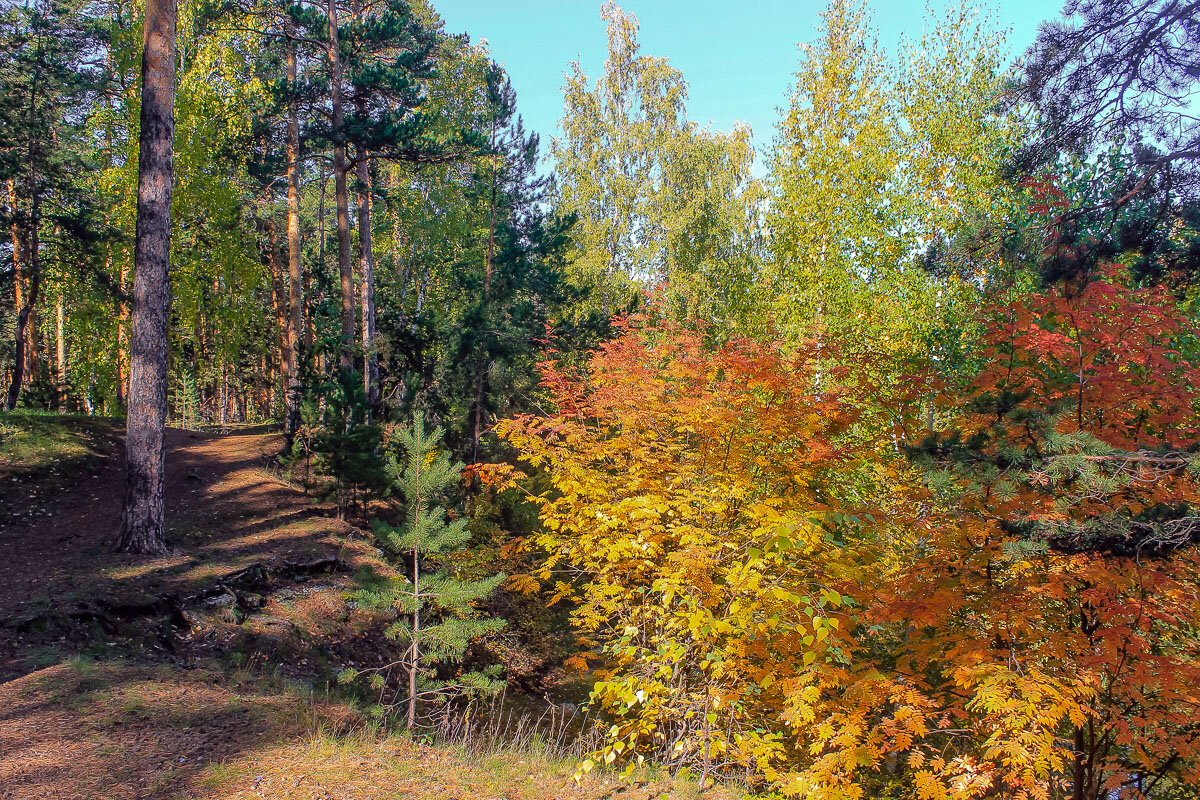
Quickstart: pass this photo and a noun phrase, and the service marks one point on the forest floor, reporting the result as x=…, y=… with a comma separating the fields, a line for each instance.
x=200, y=674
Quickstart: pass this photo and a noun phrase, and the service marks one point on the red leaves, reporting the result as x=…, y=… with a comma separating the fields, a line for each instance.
x=1110, y=351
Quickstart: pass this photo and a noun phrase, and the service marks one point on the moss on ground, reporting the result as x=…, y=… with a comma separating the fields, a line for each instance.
x=38, y=442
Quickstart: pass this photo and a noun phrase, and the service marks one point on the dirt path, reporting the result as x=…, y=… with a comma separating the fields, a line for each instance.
x=86, y=731
x=225, y=513
x=104, y=727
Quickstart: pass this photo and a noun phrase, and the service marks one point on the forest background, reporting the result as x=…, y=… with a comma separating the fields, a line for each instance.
x=866, y=471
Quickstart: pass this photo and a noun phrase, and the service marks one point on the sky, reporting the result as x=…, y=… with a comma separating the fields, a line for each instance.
x=738, y=56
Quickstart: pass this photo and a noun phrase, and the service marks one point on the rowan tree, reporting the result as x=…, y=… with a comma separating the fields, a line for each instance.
x=699, y=518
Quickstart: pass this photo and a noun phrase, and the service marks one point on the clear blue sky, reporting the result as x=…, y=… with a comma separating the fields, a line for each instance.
x=738, y=56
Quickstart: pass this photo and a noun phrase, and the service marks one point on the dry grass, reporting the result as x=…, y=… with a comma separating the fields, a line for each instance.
x=86, y=730
x=366, y=766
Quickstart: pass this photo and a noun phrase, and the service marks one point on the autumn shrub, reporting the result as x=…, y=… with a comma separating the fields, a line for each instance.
x=1008, y=610
x=1050, y=604
x=700, y=518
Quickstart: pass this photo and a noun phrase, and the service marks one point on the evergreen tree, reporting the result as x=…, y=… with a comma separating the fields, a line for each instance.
x=143, y=526
x=437, y=618
x=345, y=444
x=45, y=77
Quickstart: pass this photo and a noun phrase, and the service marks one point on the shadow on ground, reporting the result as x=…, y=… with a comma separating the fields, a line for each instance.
x=228, y=516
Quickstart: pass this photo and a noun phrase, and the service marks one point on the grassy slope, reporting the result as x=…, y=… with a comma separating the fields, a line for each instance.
x=123, y=730
x=35, y=443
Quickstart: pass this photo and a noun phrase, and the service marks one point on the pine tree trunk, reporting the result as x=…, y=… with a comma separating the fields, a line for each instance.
x=280, y=299
x=366, y=271
x=295, y=271
x=18, y=246
x=60, y=341
x=341, y=191
x=143, y=527
x=25, y=356
x=33, y=350
x=19, y=257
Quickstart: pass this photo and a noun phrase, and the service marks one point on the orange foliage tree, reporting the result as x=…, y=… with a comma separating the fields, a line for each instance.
x=699, y=516
x=1013, y=613
x=1053, y=592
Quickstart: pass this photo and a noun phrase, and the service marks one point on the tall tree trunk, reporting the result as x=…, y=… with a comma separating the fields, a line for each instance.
x=481, y=358
x=295, y=270
x=143, y=528
x=25, y=357
x=280, y=300
x=33, y=349
x=18, y=246
x=25, y=263
x=341, y=190
x=366, y=272
x=60, y=339
x=19, y=258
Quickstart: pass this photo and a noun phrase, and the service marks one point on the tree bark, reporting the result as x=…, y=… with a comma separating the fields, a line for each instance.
x=366, y=272
x=341, y=190
x=18, y=247
x=143, y=528
x=19, y=257
x=25, y=356
x=61, y=342
x=295, y=270
x=280, y=301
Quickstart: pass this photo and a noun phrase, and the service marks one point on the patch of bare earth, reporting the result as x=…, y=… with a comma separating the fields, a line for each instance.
x=84, y=731
x=238, y=532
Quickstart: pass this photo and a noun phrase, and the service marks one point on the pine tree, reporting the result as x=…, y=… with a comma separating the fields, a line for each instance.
x=45, y=75
x=143, y=527
x=437, y=616
x=345, y=444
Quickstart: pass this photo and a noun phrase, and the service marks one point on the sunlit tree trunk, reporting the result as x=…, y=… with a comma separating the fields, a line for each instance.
x=280, y=299
x=366, y=272
x=295, y=270
x=143, y=527
x=341, y=190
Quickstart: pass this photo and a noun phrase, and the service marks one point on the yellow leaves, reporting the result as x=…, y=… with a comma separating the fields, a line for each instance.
x=788, y=597
x=928, y=786
x=525, y=584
